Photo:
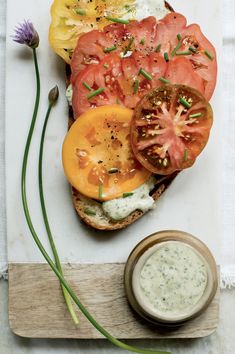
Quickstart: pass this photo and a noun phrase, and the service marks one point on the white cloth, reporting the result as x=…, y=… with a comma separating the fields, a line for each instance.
x=228, y=166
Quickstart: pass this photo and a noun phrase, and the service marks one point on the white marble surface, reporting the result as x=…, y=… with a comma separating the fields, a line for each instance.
x=188, y=200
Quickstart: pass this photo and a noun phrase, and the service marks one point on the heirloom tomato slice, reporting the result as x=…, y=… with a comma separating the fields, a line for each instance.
x=97, y=156
x=170, y=128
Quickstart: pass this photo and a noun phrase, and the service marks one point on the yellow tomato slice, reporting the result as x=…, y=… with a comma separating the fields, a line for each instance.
x=97, y=156
x=71, y=18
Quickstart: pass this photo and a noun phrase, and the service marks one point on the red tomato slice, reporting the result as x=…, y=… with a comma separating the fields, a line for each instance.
x=91, y=45
x=148, y=35
x=166, y=136
x=180, y=71
x=117, y=77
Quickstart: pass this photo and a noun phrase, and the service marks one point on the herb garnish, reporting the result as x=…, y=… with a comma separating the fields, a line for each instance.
x=95, y=93
x=136, y=86
x=88, y=87
x=209, y=55
x=118, y=20
x=185, y=103
x=89, y=212
x=145, y=74
x=195, y=115
x=128, y=47
x=109, y=49
x=125, y=195
x=165, y=81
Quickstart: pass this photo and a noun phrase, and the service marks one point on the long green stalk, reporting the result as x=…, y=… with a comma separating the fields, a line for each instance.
x=40, y=245
x=67, y=297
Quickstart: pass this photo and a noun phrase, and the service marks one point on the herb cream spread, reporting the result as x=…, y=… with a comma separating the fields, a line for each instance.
x=172, y=279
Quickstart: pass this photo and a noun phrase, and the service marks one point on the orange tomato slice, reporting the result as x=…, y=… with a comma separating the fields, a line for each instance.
x=97, y=156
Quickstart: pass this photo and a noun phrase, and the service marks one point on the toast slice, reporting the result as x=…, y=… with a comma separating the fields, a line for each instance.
x=100, y=221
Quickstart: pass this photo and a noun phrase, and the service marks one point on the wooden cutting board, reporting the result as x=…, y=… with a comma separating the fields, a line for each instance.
x=37, y=309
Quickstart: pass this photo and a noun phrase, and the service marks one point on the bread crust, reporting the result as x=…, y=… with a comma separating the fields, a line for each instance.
x=81, y=202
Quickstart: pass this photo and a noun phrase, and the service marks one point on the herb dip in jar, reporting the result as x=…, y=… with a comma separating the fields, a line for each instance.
x=170, y=280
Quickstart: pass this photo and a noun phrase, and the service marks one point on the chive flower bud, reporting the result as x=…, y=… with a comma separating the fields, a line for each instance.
x=53, y=95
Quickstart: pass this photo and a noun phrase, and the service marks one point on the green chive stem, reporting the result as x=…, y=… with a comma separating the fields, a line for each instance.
x=192, y=49
x=176, y=49
x=209, y=55
x=88, y=87
x=158, y=49
x=179, y=36
x=128, y=47
x=145, y=74
x=136, y=86
x=142, y=41
x=185, y=103
x=50, y=262
x=109, y=49
x=195, y=115
x=66, y=295
x=100, y=191
x=126, y=195
x=118, y=20
x=95, y=93
x=165, y=81
x=89, y=212
x=106, y=65
x=185, y=155
x=166, y=57
x=80, y=12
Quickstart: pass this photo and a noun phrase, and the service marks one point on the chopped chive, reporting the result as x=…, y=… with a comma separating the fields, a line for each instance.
x=209, y=55
x=113, y=170
x=118, y=20
x=80, y=12
x=192, y=49
x=88, y=87
x=158, y=49
x=125, y=195
x=109, y=49
x=176, y=49
x=118, y=101
x=185, y=103
x=145, y=74
x=165, y=81
x=95, y=93
x=184, y=53
x=106, y=66
x=166, y=57
x=179, y=36
x=89, y=212
x=142, y=41
x=136, y=86
x=185, y=155
x=196, y=115
x=100, y=191
x=128, y=47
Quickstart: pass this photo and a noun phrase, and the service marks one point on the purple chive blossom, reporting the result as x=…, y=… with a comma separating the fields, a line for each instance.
x=25, y=33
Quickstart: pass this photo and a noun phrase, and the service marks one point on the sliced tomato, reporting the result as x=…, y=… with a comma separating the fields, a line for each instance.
x=184, y=45
x=166, y=136
x=97, y=156
x=202, y=55
x=180, y=71
x=90, y=46
x=117, y=77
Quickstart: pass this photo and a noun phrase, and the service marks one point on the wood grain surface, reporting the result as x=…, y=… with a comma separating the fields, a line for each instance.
x=37, y=309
